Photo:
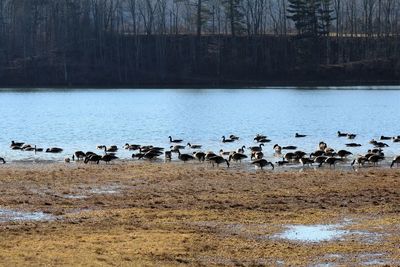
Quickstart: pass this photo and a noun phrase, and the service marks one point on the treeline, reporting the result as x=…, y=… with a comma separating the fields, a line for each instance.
x=129, y=42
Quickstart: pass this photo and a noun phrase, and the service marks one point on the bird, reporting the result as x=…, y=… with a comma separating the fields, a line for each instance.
x=218, y=160
x=322, y=145
x=257, y=155
x=108, y=158
x=112, y=148
x=224, y=140
x=360, y=160
x=282, y=162
x=16, y=144
x=67, y=160
x=174, y=140
x=277, y=148
x=193, y=146
x=385, y=137
x=233, y=137
x=92, y=158
x=340, y=134
x=320, y=160
x=209, y=155
x=289, y=148
x=259, y=137
x=395, y=160
x=256, y=148
x=199, y=155
x=343, y=153
x=264, y=140
x=353, y=145
x=54, y=150
x=237, y=157
x=262, y=163
x=185, y=157
x=224, y=153
x=168, y=156
x=375, y=159
x=297, y=135
x=3, y=160
x=241, y=150
x=306, y=161
x=317, y=153
x=351, y=136
x=175, y=148
x=79, y=155
x=332, y=161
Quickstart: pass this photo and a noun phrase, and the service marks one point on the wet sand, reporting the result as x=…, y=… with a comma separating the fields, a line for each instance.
x=128, y=214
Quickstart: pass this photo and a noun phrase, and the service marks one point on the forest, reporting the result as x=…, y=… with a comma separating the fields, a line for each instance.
x=198, y=42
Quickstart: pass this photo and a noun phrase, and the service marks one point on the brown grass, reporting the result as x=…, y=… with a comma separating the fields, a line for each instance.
x=175, y=214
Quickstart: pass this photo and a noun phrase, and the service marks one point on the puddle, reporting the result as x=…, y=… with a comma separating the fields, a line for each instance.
x=75, y=196
x=313, y=233
x=7, y=215
x=105, y=190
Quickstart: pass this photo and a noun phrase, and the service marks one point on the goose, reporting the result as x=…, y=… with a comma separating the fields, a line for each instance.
x=233, y=137
x=89, y=153
x=241, y=150
x=218, y=160
x=26, y=146
x=54, y=150
x=289, y=148
x=385, y=137
x=224, y=153
x=108, y=157
x=174, y=140
x=237, y=157
x=320, y=160
x=332, y=161
x=264, y=140
x=257, y=155
x=39, y=149
x=16, y=148
x=110, y=149
x=322, y=145
x=353, y=145
x=351, y=136
x=3, y=160
x=148, y=155
x=16, y=144
x=138, y=155
x=300, y=154
x=176, y=148
x=224, y=140
x=201, y=156
x=360, y=160
x=395, y=160
x=306, y=161
x=256, y=148
x=277, y=148
x=92, y=158
x=193, y=146
x=381, y=144
x=67, y=160
x=329, y=150
x=259, y=137
x=282, y=162
x=375, y=159
x=100, y=147
x=340, y=134
x=185, y=157
x=209, y=155
x=317, y=153
x=297, y=135
x=289, y=156
x=378, y=151
x=262, y=163
x=79, y=155
x=396, y=139
x=131, y=147
x=168, y=156
x=344, y=153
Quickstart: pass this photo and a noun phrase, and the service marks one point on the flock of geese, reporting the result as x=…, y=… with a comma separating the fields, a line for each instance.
x=323, y=155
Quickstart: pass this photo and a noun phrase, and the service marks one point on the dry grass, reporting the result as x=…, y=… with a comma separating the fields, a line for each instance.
x=172, y=214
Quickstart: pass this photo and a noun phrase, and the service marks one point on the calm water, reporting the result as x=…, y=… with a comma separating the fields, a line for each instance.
x=83, y=119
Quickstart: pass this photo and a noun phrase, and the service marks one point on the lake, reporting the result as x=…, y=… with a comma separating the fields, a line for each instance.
x=83, y=119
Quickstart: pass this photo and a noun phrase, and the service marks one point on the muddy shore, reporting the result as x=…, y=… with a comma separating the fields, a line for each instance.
x=129, y=214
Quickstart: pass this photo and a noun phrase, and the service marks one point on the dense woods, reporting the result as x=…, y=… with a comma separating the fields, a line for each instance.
x=210, y=42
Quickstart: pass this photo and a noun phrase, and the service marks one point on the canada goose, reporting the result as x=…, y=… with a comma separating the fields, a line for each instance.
x=108, y=157
x=78, y=155
x=176, y=148
x=322, y=145
x=3, y=160
x=332, y=161
x=360, y=160
x=241, y=150
x=300, y=154
x=100, y=147
x=317, y=153
x=396, y=140
x=259, y=137
x=209, y=155
x=233, y=137
x=256, y=148
x=289, y=156
x=26, y=146
x=340, y=134
x=381, y=144
x=262, y=163
x=375, y=159
x=54, y=150
x=185, y=157
x=110, y=149
x=351, y=136
x=289, y=148
x=38, y=149
x=218, y=160
x=264, y=140
x=92, y=158
x=201, y=156
x=344, y=153
x=174, y=140
x=89, y=153
x=67, y=160
x=297, y=135
x=133, y=147
x=224, y=140
x=277, y=148
x=16, y=148
x=148, y=155
x=378, y=151
x=168, y=156
x=138, y=155
x=353, y=145
x=224, y=153
x=193, y=146
x=385, y=137
x=237, y=157
x=320, y=160
x=282, y=162
x=257, y=155
x=329, y=150
x=395, y=160
x=306, y=161
x=16, y=144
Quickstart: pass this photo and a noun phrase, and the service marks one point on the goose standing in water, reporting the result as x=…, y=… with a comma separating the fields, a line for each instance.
x=218, y=160
x=360, y=160
x=92, y=158
x=209, y=155
x=322, y=146
x=3, y=160
x=395, y=160
x=193, y=146
x=176, y=148
x=54, y=150
x=78, y=155
x=174, y=140
x=224, y=140
x=256, y=148
x=185, y=157
x=259, y=137
x=167, y=156
x=332, y=161
x=257, y=155
x=237, y=157
x=306, y=161
x=344, y=153
x=374, y=159
x=201, y=156
x=262, y=163
x=108, y=158
x=277, y=148
x=241, y=150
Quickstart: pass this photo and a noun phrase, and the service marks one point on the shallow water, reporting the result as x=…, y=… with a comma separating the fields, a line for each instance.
x=83, y=119
x=7, y=215
x=313, y=233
